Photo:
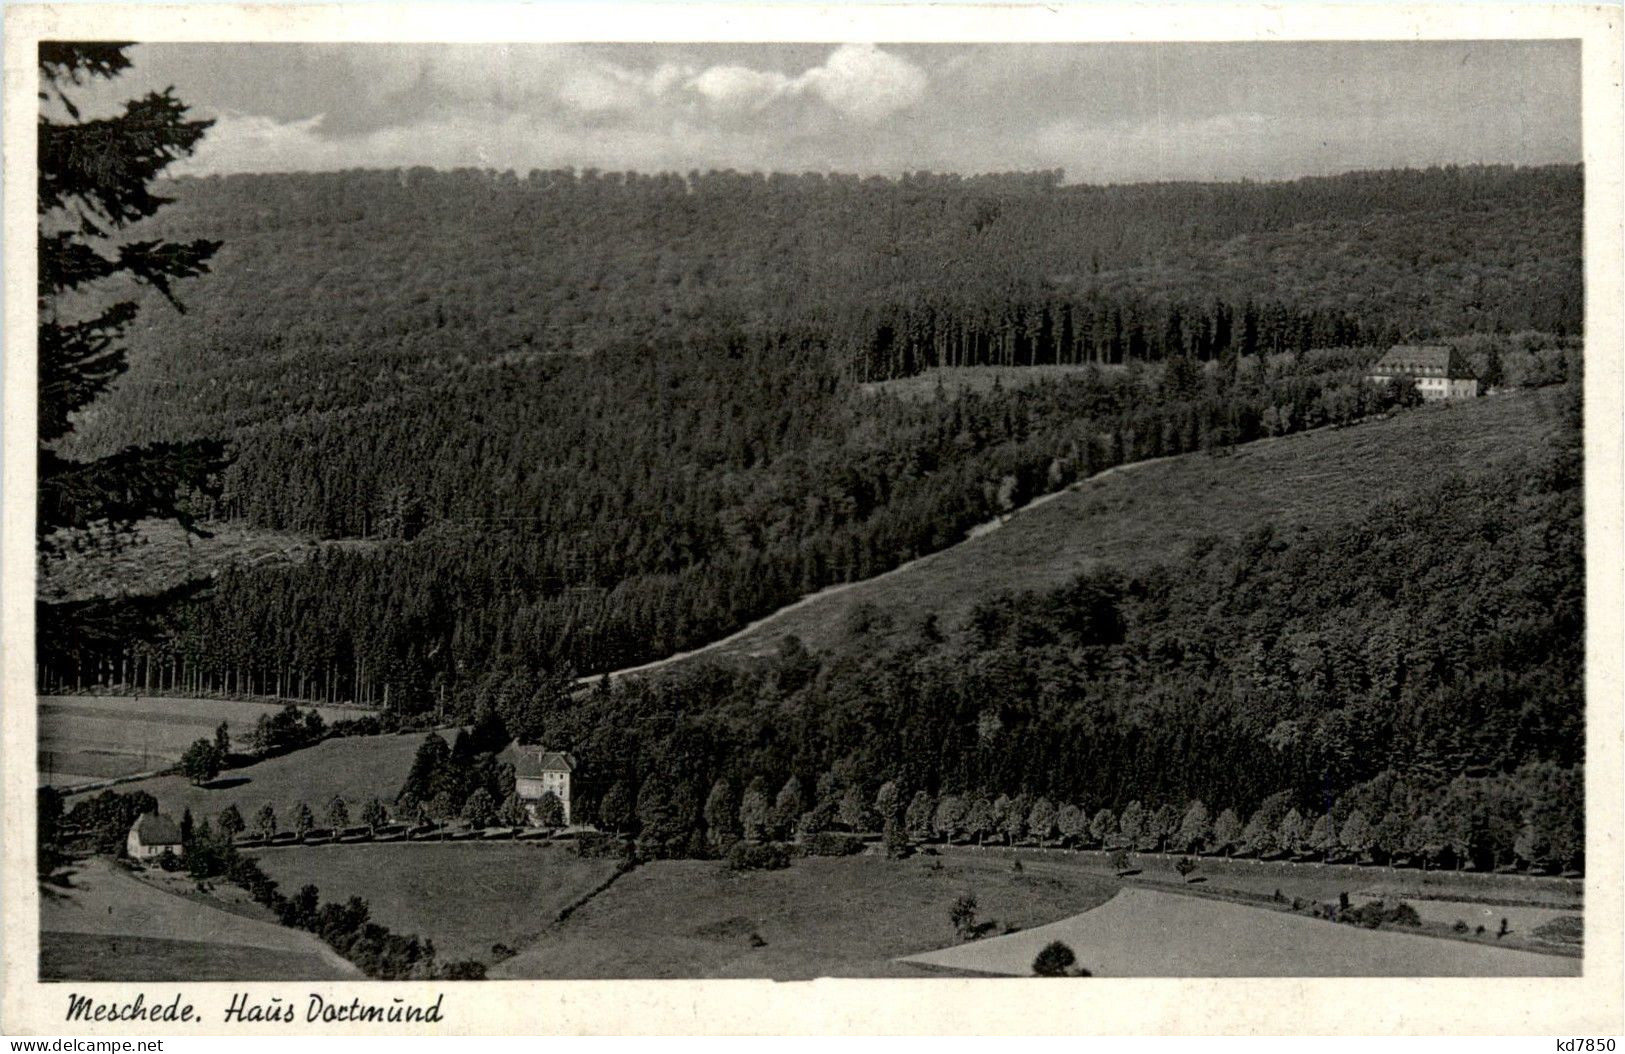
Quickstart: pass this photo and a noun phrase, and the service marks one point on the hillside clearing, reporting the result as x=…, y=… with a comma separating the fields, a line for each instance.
x=354, y=768
x=1141, y=515
x=86, y=738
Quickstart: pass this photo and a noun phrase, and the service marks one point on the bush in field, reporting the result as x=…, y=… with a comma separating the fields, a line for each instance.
x=831, y=843
x=963, y=916
x=1120, y=861
x=1375, y=913
x=1565, y=929
x=1185, y=865
x=770, y=856
x=1054, y=961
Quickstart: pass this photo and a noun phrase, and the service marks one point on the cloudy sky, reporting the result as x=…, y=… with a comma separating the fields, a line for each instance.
x=1102, y=112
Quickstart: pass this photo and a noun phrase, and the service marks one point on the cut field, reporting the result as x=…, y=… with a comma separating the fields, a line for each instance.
x=821, y=917
x=1144, y=514
x=1147, y=933
x=464, y=896
x=1321, y=882
x=160, y=554
x=88, y=738
x=355, y=768
x=106, y=925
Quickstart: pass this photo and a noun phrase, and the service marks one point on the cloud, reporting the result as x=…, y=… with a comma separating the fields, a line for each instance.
x=863, y=81
x=740, y=87
x=856, y=80
x=1101, y=112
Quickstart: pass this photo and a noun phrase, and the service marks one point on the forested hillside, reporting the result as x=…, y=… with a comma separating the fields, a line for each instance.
x=1422, y=668
x=586, y=420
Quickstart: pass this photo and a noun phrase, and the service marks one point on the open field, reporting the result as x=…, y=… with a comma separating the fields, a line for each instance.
x=355, y=768
x=86, y=738
x=105, y=924
x=1522, y=920
x=1147, y=513
x=1322, y=882
x=847, y=917
x=1147, y=933
x=464, y=896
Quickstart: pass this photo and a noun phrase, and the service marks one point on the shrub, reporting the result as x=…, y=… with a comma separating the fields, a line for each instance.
x=1460, y=926
x=1376, y=913
x=1565, y=929
x=1185, y=865
x=597, y=844
x=963, y=915
x=831, y=843
x=1054, y=961
x=771, y=856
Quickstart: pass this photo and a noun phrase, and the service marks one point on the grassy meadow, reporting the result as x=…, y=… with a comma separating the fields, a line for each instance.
x=821, y=917
x=101, y=923
x=464, y=896
x=355, y=768
x=87, y=738
x=1149, y=933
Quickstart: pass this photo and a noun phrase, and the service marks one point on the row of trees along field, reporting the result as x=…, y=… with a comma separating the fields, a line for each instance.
x=731, y=487
x=1421, y=668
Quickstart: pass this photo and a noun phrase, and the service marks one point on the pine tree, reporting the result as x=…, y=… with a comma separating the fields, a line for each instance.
x=94, y=180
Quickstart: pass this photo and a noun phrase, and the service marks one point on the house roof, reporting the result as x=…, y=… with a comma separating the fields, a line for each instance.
x=532, y=761
x=156, y=829
x=1424, y=360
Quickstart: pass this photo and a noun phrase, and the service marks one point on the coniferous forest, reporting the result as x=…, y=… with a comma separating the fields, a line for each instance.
x=576, y=420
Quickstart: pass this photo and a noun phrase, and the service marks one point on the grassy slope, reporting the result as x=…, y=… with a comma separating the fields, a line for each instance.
x=822, y=917
x=83, y=738
x=1148, y=933
x=1147, y=514
x=105, y=924
x=463, y=896
x=356, y=769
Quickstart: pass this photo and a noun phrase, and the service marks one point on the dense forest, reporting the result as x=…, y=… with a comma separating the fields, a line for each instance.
x=653, y=527
x=387, y=353
x=585, y=420
x=1422, y=668
x=338, y=290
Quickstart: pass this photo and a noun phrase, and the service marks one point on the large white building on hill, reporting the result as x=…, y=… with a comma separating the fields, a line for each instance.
x=537, y=771
x=1439, y=372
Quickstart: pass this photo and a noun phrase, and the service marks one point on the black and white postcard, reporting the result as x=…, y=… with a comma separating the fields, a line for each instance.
x=914, y=497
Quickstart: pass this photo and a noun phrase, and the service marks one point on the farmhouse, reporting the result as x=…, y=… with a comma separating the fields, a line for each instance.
x=150, y=835
x=537, y=771
x=1440, y=372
